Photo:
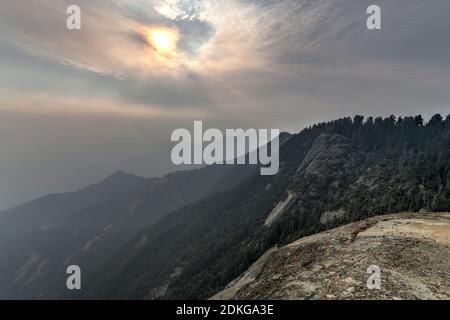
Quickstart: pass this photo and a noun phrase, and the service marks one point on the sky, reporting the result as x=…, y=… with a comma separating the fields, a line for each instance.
x=77, y=105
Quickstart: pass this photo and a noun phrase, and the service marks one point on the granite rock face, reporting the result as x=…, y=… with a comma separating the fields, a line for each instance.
x=412, y=252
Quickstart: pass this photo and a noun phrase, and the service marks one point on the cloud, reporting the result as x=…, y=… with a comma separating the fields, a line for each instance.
x=108, y=42
x=239, y=54
x=52, y=105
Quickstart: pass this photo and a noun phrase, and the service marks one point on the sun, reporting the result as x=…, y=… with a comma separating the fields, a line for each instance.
x=162, y=40
x=162, y=45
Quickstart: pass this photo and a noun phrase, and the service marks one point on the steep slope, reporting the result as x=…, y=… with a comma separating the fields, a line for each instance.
x=412, y=252
x=330, y=174
x=86, y=227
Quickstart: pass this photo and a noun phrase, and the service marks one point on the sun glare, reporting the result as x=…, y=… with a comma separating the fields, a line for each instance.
x=164, y=41
x=161, y=40
x=162, y=45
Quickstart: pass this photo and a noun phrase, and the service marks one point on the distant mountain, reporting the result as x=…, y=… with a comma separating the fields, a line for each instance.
x=412, y=252
x=41, y=238
x=331, y=174
x=36, y=214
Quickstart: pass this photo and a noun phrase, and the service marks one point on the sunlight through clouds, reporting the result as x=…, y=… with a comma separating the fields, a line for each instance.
x=230, y=55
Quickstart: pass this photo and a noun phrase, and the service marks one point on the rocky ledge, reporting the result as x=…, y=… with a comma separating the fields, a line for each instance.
x=411, y=251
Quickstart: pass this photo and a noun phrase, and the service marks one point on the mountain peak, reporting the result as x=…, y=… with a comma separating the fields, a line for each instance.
x=121, y=175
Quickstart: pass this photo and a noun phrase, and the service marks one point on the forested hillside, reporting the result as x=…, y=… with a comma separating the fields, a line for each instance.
x=330, y=174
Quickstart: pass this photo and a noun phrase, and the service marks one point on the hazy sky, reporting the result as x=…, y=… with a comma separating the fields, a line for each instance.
x=76, y=105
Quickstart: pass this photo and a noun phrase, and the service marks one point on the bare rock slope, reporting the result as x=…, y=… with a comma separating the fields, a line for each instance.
x=412, y=251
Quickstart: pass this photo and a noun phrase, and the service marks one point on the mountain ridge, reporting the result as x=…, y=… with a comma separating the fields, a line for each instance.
x=74, y=231
x=189, y=234
x=359, y=169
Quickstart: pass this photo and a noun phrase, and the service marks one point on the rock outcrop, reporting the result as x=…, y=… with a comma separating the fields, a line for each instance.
x=412, y=252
